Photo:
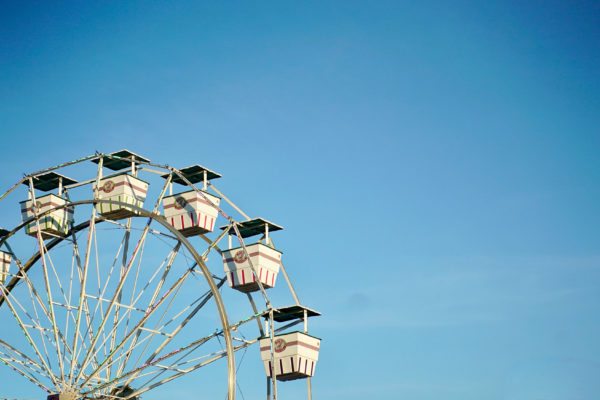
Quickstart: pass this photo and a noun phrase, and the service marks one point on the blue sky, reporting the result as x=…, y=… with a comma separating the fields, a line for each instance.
x=434, y=164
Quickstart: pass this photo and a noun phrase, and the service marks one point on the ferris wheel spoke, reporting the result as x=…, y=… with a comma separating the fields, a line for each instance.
x=213, y=244
x=13, y=363
x=133, y=374
x=99, y=280
x=123, y=278
x=167, y=268
x=219, y=355
x=128, y=312
x=36, y=301
x=113, y=333
x=156, y=330
x=176, y=365
x=83, y=306
x=5, y=295
x=152, y=359
x=228, y=201
x=148, y=314
x=169, y=336
x=35, y=321
x=102, y=290
x=120, y=361
x=10, y=352
x=203, y=300
x=46, y=281
x=257, y=318
x=42, y=248
x=75, y=261
x=36, y=326
x=99, y=302
x=33, y=294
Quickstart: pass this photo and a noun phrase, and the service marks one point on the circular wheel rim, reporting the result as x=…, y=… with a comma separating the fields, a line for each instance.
x=140, y=213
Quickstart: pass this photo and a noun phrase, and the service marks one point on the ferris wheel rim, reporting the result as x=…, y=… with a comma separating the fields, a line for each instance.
x=139, y=165
x=143, y=213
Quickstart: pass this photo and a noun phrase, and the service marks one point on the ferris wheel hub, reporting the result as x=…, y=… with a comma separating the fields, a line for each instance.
x=68, y=395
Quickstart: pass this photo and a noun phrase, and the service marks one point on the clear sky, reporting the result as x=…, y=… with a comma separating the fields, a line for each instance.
x=435, y=166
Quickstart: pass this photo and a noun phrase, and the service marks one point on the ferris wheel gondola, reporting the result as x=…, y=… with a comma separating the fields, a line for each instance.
x=102, y=284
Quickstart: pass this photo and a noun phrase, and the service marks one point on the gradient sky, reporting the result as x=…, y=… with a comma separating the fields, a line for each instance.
x=435, y=166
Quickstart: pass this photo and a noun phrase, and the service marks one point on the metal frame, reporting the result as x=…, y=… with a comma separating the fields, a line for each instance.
x=90, y=343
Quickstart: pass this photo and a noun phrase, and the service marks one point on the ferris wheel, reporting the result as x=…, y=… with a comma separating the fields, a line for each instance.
x=138, y=274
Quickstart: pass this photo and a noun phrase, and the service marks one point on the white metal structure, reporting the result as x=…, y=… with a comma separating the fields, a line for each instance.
x=110, y=294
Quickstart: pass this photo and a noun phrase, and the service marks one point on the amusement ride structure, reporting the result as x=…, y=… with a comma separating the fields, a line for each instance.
x=106, y=291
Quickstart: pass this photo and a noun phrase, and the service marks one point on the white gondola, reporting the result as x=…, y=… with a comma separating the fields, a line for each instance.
x=238, y=264
x=51, y=223
x=136, y=269
x=192, y=213
x=264, y=259
x=119, y=189
x=295, y=355
x=48, y=212
x=5, y=259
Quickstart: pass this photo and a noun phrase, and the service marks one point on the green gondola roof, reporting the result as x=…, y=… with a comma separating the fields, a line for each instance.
x=252, y=227
x=291, y=312
x=194, y=174
x=123, y=161
x=49, y=181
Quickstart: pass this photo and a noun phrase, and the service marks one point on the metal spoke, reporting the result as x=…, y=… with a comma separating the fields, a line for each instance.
x=26, y=332
x=24, y=359
x=76, y=348
x=220, y=355
x=141, y=322
x=171, y=258
x=111, y=305
x=46, y=279
x=11, y=363
x=113, y=336
x=101, y=292
x=154, y=361
x=83, y=279
x=141, y=327
x=285, y=275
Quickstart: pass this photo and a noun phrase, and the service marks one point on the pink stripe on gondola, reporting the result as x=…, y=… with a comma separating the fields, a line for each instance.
x=256, y=253
x=192, y=200
x=123, y=183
